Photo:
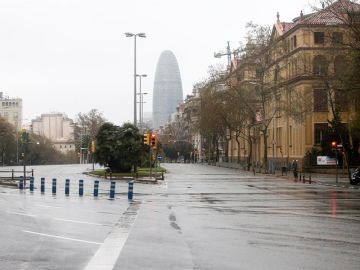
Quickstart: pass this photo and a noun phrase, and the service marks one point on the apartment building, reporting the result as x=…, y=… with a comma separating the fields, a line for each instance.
x=301, y=56
x=11, y=110
x=56, y=127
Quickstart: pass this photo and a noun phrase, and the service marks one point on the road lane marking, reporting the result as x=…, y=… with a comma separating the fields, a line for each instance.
x=48, y=206
x=20, y=214
x=81, y=222
x=106, y=256
x=62, y=237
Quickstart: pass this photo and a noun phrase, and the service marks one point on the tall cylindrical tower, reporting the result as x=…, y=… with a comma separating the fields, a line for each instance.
x=167, y=89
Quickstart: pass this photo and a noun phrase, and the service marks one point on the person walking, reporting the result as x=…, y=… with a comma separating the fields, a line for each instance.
x=295, y=170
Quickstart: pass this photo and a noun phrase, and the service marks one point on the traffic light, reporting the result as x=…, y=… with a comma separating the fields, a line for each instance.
x=333, y=145
x=93, y=146
x=153, y=141
x=25, y=136
x=147, y=138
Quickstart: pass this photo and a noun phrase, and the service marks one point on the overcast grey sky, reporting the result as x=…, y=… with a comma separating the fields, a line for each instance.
x=71, y=55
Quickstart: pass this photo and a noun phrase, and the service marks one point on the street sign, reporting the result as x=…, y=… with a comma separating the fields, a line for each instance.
x=159, y=157
x=325, y=160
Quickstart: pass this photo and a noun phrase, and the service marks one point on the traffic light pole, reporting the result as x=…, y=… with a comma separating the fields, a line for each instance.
x=337, y=167
x=150, y=159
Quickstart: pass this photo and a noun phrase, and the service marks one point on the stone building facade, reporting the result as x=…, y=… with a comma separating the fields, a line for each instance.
x=301, y=55
x=11, y=110
x=58, y=128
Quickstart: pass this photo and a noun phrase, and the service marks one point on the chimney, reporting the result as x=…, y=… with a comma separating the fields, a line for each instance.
x=301, y=15
x=278, y=17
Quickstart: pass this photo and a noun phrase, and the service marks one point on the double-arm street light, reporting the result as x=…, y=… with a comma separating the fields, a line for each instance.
x=142, y=35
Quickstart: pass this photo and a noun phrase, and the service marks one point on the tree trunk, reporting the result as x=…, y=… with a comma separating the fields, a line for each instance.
x=238, y=149
x=217, y=150
x=265, y=150
x=249, y=158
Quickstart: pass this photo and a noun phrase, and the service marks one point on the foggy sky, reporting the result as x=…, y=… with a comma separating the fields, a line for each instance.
x=71, y=56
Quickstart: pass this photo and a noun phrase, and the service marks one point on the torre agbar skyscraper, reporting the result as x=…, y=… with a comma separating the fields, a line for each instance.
x=167, y=89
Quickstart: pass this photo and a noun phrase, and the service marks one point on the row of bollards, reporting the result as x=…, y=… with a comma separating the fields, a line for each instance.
x=81, y=187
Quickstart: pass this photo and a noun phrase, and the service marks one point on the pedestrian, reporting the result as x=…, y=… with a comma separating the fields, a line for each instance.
x=295, y=170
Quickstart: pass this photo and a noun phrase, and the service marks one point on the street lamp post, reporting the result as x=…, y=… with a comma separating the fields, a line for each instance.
x=141, y=102
x=142, y=35
x=142, y=111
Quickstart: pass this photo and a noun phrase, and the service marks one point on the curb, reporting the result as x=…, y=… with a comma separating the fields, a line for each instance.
x=136, y=180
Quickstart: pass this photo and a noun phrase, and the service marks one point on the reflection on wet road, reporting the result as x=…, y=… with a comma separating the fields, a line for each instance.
x=200, y=217
x=227, y=219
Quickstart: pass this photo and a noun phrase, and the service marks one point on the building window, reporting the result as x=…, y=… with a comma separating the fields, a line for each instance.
x=279, y=141
x=320, y=100
x=355, y=16
x=293, y=42
x=341, y=100
x=290, y=44
x=276, y=73
x=259, y=73
x=320, y=65
x=337, y=38
x=319, y=37
x=339, y=65
x=319, y=132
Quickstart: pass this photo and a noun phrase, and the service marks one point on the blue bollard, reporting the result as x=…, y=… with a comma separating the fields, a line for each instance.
x=67, y=187
x=31, y=184
x=21, y=182
x=131, y=189
x=81, y=187
x=96, y=188
x=54, y=186
x=112, y=190
x=42, y=187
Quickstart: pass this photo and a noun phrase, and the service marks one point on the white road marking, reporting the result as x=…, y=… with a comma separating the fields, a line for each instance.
x=106, y=256
x=81, y=222
x=47, y=206
x=63, y=238
x=20, y=214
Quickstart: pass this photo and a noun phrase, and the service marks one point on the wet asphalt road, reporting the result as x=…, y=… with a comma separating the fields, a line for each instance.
x=200, y=217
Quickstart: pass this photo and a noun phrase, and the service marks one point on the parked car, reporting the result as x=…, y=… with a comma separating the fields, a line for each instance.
x=355, y=177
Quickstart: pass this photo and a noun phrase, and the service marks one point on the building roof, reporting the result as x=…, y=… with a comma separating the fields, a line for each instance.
x=325, y=16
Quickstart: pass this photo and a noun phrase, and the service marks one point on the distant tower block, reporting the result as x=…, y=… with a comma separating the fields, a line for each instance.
x=167, y=89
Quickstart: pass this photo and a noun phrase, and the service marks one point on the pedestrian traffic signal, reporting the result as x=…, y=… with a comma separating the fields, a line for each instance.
x=147, y=138
x=153, y=141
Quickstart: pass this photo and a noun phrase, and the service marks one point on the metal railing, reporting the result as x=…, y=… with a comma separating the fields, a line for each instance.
x=14, y=174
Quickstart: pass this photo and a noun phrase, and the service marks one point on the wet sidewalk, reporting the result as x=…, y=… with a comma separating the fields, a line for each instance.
x=316, y=178
x=320, y=179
